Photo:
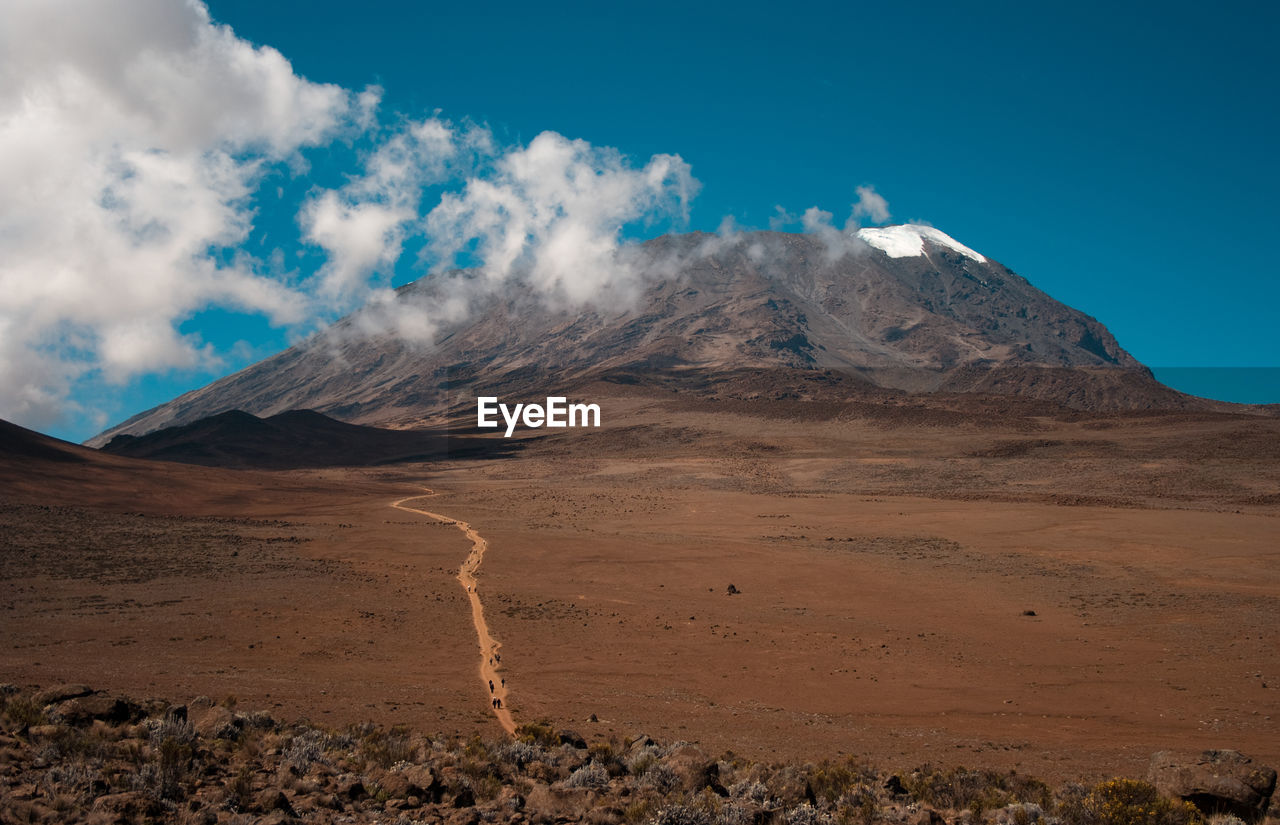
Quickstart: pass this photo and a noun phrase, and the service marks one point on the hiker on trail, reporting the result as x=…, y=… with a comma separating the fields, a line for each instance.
x=497, y=703
x=491, y=686
x=504, y=681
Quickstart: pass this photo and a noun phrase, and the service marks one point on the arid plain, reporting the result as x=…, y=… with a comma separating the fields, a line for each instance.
x=931, y=583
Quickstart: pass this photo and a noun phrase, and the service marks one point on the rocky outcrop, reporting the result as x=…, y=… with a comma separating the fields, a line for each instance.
x=1216, y=781
x=211, y=763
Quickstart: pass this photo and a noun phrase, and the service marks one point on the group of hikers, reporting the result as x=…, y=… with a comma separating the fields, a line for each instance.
x=497, y=703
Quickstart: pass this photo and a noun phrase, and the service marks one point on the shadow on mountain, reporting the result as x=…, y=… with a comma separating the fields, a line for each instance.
x=301, y=439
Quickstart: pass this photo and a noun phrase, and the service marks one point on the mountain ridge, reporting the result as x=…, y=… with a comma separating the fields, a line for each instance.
x=938, y=321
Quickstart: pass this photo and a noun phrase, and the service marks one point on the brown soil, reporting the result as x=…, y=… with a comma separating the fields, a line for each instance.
x=886, y=573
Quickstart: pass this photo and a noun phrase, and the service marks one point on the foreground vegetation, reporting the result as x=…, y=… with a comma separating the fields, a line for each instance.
x=69, y=755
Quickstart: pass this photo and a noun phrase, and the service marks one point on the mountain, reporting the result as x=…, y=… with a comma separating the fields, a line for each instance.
x=888, y=310
x=40, y=469
x=288, y=440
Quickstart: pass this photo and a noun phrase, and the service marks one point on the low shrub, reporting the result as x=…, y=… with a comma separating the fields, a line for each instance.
x=590, y=775
x=1131, y=802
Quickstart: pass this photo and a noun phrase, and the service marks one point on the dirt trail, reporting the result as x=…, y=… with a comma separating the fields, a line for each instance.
x=491, y=677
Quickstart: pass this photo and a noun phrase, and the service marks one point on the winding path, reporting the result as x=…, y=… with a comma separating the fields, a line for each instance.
x=490, y=657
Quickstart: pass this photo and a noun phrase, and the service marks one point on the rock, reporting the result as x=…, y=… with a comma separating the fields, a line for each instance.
x=84, y=710
x=123, y=807
x=573, y=739
x=176, y=714
x=895, y=787
x=466, y=816
x=640, y=742
x=412, y=781
x=219, y=723
x=926, y=816
x=464, y=799
x=695, y=769
x=1216, y=781
x=732, y=591
x=45, y=731
x=510, y=799
x=272, y=799
x=350, y=787
x=60, y=693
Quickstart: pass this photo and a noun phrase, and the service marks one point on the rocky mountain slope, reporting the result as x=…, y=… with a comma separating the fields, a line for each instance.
x=901, y=308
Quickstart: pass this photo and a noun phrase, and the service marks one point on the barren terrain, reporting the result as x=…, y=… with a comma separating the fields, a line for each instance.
x=1060, y=596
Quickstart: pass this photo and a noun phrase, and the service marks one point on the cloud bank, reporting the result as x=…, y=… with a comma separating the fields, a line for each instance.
x=132, y=134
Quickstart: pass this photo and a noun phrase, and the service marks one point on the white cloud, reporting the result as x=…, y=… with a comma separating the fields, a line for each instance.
x=836, y=243
x=132, y=134
x=781, y=219
x=551, y=213
x=870, y=204
x=361, y=227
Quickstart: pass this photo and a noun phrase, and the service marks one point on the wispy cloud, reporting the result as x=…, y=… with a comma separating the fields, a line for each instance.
x=870, y=204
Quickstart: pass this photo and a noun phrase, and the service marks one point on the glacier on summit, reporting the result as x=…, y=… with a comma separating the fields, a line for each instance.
x=907, y=241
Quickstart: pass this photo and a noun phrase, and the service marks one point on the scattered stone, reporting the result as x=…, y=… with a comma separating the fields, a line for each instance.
x=327, y=801
x=639, y=742
x=572, y=739
x=350, y=787
x=220, y=723
x=695, y=769
x=1216, y=782
x=272, y=775
x=60, y=693
x=85, y=710
x=732, y=591
x=272, y=799
x=416, y=781
x=125, y=807
x=926, y=816
x=467, y=816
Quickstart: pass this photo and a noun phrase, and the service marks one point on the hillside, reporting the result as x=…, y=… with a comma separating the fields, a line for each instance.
x=922, y=314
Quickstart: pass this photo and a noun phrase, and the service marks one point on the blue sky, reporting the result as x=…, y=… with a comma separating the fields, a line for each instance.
x=1121, y=158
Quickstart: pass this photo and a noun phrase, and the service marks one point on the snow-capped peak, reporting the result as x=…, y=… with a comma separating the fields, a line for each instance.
x=907, y=241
